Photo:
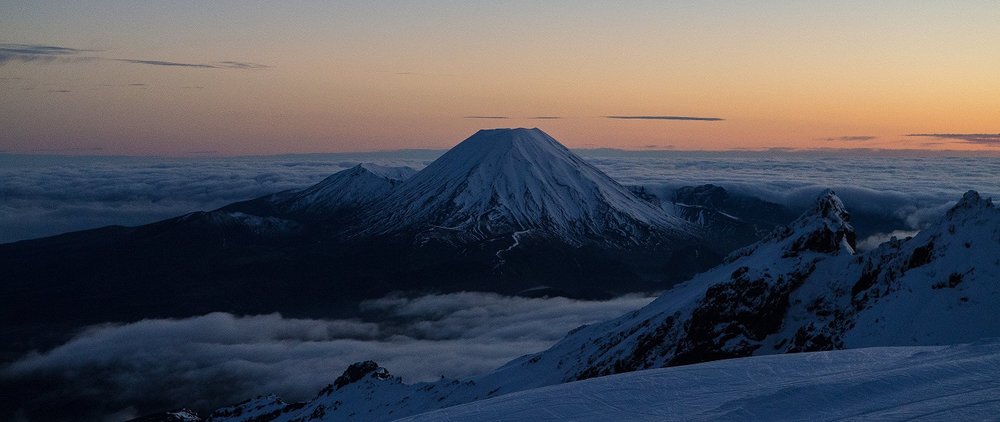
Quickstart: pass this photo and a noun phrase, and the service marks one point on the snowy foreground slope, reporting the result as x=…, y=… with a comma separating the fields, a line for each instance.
x=884, y=383
x=801, y=289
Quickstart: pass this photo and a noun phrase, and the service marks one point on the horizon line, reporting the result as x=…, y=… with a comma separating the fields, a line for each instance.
x=777, y=149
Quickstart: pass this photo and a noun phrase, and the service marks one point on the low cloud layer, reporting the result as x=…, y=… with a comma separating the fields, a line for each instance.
x=990, y=139
x=906, y=191
x=219, y=358
x=708, y=119
x=873, y=241
x=48, y=195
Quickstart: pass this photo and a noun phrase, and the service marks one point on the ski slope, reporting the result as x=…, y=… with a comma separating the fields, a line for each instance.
x=959, y=382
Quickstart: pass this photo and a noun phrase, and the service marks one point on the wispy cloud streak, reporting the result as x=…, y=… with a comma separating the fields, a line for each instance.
x=706, y=119
x=165, y=63
x=850, y=138
x=972, y=138
x=241, y=65
x=52, y=53
x=38, y=52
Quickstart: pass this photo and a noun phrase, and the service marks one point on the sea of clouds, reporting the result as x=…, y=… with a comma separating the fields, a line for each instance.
x=121, y=370
x=116, y=371
x=47, y=195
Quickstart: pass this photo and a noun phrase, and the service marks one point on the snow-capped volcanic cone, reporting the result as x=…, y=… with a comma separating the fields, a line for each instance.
x=504, y=181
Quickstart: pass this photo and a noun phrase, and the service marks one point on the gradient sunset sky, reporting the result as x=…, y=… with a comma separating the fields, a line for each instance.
x=242, y=77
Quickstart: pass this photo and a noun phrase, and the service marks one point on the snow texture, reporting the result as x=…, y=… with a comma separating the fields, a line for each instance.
x=892, y=383
x=502, y=181
x=804, y=288
x=354, y=187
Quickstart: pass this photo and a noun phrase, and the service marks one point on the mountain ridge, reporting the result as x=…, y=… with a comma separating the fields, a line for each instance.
x=795, y=291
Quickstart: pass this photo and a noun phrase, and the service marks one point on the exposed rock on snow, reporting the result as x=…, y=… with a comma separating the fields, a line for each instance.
x=801, y=289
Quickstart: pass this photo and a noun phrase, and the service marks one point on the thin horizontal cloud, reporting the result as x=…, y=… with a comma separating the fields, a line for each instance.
x=972, y=138
x=38, y=52
x=241, y=65
x=52, y=53
x=412, y=73
x=66, y=149
x=850, y=138
x=216, y=65
x=165, y=63
x=485, y=117
x=707, y=119
x=545, y=118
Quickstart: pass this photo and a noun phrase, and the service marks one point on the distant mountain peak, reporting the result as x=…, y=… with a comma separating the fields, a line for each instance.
x=971, y=200
x=392, y=173
x=347, y=189
x=828, y=205
x=824, y=228
x=511, y=132
x=503, y=181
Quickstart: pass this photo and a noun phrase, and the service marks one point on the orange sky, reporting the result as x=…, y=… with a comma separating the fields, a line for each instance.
x=380, y=75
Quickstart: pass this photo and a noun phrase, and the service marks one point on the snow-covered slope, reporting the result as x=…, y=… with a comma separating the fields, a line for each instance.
x=345, y=191
x=894, y=383
x=801, y=289
x=504, y=181
x=357, y=186
x=804, y=289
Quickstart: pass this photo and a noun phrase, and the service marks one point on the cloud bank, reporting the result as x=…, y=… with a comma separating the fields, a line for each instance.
x=219, y=358
x=48, y=195
x=909, y=192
